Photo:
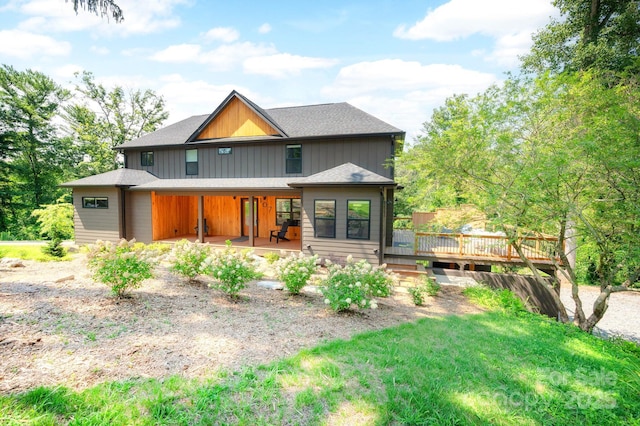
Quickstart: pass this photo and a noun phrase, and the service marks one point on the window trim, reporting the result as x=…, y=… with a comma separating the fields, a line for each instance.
x=144, y=158
x=291, y=210
x=368, y=220
x=295, y=160
x=94, y=204
x=187, y=163
x=315, y=218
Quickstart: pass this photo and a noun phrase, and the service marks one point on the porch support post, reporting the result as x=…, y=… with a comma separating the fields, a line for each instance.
x=201, y=218
x=251, y=222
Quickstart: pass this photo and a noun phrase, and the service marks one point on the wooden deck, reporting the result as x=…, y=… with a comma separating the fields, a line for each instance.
x=261, y=245
x=469, y=247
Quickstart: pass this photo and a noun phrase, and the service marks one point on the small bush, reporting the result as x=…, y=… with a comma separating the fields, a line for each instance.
x=54, y=248
x=187, y=258
x=355, y=284
x=271, y=257
x=296, y=270
x=428, y=287
x=231, y=269
x=122, y=266
x=500, y=300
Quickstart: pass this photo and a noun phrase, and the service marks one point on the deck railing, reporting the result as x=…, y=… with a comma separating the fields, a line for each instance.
x=472, y=245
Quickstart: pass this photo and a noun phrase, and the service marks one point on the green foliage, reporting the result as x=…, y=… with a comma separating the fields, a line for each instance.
x=296, y=270
x=187, y=258
x=271, y=257
x=427, y=287
x=122, y=266
x=500, y=300
x=54, y=248
x=55, y=220
x=602, y=35
x=231, y=269
x=355, y=285
x=28, y=252
x=107, y=8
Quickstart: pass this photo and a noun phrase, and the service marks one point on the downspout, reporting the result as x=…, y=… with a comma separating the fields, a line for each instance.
x=383, y=222
x=123, y=213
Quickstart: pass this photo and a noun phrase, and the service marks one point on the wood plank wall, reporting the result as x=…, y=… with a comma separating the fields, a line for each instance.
x=175, y=215
x=236, y=120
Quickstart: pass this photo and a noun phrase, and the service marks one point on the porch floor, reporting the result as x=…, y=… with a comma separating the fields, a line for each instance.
x=261, y=245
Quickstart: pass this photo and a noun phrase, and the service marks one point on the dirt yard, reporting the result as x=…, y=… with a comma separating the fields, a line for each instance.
x=58, y=327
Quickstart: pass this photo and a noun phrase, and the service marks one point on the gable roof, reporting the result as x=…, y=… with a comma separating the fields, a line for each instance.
x=310, y=121
x=119, y=177
x=345, y=174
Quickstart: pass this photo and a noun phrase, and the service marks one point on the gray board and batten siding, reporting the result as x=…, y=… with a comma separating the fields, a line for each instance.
x=268, y=159
x=336, y=249
x=93, y=224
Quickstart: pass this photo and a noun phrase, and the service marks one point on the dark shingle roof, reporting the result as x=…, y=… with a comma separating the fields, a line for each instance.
x=119, y=177
x=216, y=184
x=311, y=121
x=345, y=174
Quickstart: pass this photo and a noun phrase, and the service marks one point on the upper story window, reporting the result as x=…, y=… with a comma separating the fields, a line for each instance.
x=146, y=158
x=191, y=156
x=95, y=202
x=288, y=209
x=358, y=219
x=224, y=150
x=325, y=218
x=294, y=158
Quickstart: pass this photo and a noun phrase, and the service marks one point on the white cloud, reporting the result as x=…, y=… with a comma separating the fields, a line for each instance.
x=67, y=72
x=510, y=22
x=184, y=98
x=146, y=17
x=284, y=64
x=264, y=28
x=25, y=45
x=403, y=93
x=224, y=34
x=222, y=58
x=99, y=50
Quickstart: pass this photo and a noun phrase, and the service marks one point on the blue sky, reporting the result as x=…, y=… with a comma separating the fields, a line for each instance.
x=394, y=59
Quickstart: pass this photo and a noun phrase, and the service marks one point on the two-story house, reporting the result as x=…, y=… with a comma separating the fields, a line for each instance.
x=243, y=171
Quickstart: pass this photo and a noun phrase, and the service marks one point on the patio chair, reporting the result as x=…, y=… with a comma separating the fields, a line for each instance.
x=206, y=227
x=280, y=234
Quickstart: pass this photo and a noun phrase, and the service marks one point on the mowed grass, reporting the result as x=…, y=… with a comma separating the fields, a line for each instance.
x=502, y=367
x=28, y=252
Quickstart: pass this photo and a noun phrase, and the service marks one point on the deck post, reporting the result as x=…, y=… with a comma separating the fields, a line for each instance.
x=461, y=244
x=252, y=214
x=201, y=218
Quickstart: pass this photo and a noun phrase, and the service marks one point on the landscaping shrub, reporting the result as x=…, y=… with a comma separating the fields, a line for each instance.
x=427, y=287
x=54, y=248
x=122, y=266
x=355, y=285
x=296, y=270
x=271, y=257
x=231, y=269
x=187, y=258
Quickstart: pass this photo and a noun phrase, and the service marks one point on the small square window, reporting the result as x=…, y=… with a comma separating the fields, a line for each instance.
x=146, y=158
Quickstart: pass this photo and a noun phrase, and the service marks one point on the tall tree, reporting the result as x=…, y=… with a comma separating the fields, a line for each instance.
x=590, y=34
x=532, y=164
x=101, y=120
x=100, y=7
x=36, y=155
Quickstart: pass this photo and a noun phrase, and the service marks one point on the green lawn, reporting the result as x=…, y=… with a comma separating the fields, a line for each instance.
x=28, y=252
x=492, y=368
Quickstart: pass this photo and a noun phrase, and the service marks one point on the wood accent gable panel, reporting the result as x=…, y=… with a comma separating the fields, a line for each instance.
x=236, y=119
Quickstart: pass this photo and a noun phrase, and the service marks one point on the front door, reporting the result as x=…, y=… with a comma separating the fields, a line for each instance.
x=246, y=217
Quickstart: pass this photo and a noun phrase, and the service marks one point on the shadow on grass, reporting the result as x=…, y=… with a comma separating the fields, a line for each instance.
x=479, y=369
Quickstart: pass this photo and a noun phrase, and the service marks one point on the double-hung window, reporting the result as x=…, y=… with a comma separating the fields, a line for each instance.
x=191, y=156
x=146, y=158
x=294, y=159
x=358, y=219
x=325, y=218
x=288, y=209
